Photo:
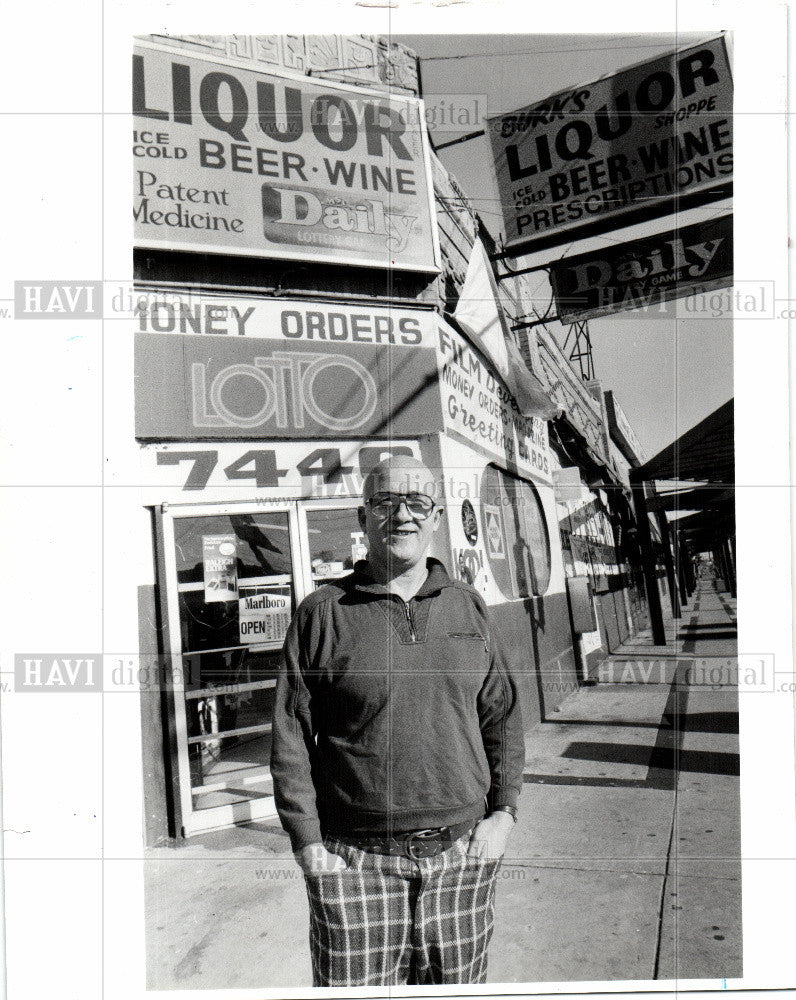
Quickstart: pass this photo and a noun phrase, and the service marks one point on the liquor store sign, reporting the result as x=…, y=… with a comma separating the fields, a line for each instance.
x=632, y=142
x=239, y=161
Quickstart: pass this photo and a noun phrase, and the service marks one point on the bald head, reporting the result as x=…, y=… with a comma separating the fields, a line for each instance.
x=400, y=474
x=399, y=536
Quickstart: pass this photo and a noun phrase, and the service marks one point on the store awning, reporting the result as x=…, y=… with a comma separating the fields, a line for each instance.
x=693, y=498
x=705, y=453
x=703, y=461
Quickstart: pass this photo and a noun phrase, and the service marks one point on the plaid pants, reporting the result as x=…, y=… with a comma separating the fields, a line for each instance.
x=387, y=921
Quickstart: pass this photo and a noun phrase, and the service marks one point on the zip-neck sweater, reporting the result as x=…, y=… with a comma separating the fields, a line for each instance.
x=393, y=715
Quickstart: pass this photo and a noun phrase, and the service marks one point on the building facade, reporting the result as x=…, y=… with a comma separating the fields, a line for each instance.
x=292, y=331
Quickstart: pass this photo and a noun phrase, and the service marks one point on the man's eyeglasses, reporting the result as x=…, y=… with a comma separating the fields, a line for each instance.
x=418, y=504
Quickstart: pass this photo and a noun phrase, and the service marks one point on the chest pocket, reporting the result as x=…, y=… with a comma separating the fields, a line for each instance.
x=469, y=635
x=465, y=652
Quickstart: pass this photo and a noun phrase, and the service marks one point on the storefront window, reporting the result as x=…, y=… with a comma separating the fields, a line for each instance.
x=336, y=543
x=587, y=539
x=233, y=578
x=235, y=586
x=516, y=536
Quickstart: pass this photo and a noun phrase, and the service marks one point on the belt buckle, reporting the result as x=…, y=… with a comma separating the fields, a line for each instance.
x=421, y=836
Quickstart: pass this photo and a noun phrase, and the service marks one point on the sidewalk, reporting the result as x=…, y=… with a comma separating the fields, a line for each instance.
x=630, y=824
x=625, y=862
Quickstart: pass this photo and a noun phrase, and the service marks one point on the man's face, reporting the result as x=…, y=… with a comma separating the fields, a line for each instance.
x=397, y=537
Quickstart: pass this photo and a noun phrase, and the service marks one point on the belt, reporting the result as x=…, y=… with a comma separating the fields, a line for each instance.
x=414, y=844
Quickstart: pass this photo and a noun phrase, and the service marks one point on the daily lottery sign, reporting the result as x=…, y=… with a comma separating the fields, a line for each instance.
x=238, y=161
x=635, y=275
x=633, y=145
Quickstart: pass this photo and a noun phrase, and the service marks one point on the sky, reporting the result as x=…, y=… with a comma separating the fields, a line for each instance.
x=669, y=366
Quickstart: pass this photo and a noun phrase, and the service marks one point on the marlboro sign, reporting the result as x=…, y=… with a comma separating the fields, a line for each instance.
x=634, y=275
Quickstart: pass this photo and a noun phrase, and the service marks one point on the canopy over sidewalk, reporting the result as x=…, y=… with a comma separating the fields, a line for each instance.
x=706, y=453
x=703, y=460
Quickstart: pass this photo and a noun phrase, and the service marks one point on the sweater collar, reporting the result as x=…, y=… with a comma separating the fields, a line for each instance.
x=436, y=580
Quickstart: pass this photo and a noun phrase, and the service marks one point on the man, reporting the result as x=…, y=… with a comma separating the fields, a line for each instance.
x=397, y=754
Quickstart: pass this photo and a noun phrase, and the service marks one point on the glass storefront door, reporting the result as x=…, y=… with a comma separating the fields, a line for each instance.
x=234, y=575
x=334, y=539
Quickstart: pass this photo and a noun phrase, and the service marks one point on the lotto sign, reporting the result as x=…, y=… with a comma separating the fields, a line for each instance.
x=264, y=617
x=244, y=368
x=235, y=160
x=494, y=531
x=628, y=146
x=234, y=387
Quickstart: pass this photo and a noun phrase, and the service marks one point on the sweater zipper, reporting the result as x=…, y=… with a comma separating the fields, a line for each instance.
x=410, y=622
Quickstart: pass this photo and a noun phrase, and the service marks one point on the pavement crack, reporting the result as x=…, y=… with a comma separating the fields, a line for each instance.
x=586, y=868
x=676, y=713
x=616, y=870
